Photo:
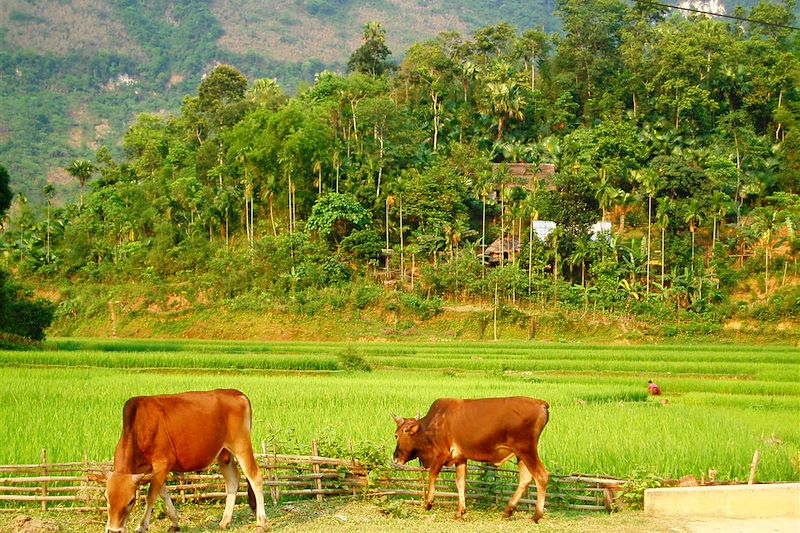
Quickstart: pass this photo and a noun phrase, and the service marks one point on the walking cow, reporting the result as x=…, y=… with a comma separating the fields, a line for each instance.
x=181, y=433
x=490, y=430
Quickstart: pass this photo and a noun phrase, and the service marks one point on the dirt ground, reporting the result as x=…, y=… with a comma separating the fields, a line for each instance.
x=378, y=516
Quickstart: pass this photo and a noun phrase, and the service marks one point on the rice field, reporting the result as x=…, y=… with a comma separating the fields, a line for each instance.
x=719, y=403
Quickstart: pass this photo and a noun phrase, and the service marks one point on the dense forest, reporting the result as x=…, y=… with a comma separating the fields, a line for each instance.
x=74, y=74
x=681, y=133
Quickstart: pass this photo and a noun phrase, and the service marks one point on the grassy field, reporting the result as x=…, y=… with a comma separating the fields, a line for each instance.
x=719, y=403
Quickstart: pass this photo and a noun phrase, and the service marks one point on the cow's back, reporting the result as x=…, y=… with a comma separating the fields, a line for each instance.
x=487, y=423
x=186, y=431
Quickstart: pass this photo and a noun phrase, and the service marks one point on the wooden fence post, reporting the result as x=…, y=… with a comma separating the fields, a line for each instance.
x=273, y=491
x=315, y=468
x=44, y=476
x=753, y=467
x=275, y=473
x=353, y=463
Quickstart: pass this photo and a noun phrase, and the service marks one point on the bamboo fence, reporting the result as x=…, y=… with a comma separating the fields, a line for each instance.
x=71, y=487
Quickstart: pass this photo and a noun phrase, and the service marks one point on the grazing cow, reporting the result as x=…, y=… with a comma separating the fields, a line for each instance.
x=490, y=430
x=181, y=433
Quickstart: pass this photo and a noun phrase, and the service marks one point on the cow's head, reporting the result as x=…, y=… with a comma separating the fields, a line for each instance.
x=121, y=492
x=407, y=448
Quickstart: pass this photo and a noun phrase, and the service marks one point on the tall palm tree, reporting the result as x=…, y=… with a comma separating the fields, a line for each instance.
x=49, y=193
x=648, y=182
x=580, y=255
x=766, y=223
x=693, y=218
x=606, y=193
x=82, y=169
x=503, y=99
x=665, y=205
x=720, y=206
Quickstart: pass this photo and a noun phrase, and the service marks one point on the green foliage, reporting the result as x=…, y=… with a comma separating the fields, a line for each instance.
x=19, y=314
x=372, y=56
x=351, y=360
x=336, y=215
x=261, y=197
x=632, y=493
x=5, y=192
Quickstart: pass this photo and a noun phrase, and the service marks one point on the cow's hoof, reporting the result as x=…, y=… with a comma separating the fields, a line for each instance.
x=537, y=516
x=427, y=506
x=508, y=512
x=460, y=514
x=173, y=529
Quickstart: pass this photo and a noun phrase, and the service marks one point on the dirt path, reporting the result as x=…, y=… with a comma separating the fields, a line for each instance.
x=756, y=525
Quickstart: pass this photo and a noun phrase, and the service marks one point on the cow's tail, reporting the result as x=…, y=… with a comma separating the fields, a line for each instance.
x=251, y=497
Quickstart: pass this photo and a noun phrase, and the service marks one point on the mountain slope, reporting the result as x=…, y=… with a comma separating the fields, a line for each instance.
x=73, y=73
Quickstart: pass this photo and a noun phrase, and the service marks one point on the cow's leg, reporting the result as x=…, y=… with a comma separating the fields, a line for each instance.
x=228, y=469
x=540, y=476
x=156, y=482
x=433, y=473
x=461, y=487
x=525, y=478
x=244, y=454
x=171, y=512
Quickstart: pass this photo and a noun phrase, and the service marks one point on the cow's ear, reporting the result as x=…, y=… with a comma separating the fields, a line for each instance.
x=412, y=429
x=141, y=479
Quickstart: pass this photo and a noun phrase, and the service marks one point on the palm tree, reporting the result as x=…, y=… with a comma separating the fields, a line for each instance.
x=485, y=185
x=765, y=224
x=623, y=204
x=82, y=169
x=693, y=218
x=662, y=222
x=647, y=180
x=49, y=193
x=581, y=253
x=502, y=97
x=720, y=206
x=606, y=193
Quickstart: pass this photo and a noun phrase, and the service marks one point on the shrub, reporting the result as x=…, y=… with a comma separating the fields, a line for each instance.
x=424, y=308
x=19, y=315
x=349, y=359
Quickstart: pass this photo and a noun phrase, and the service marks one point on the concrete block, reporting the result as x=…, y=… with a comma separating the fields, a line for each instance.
x=775, y=500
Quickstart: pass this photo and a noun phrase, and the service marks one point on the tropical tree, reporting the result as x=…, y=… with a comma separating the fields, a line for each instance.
x=502, y=96
x=82, y=170
x=372, y=56
x=766, y=223
x=49, y=193
x=665, y=207
x=648, y=182
x=693, y=216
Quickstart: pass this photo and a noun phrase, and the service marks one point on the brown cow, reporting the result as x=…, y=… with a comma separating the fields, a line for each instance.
x=490, y=430
x=181, y=433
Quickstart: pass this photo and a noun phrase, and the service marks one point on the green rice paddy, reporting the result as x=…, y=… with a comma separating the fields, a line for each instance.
x=719, y=403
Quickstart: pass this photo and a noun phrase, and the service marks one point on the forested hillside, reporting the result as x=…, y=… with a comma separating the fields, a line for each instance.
x=73, y=74
x=681, y=135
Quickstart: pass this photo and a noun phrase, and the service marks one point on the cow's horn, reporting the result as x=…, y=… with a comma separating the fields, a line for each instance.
x=398, y=419
x=417, y=415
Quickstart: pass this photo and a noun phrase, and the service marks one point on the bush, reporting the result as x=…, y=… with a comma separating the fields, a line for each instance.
x=9, y=341
x=21, y=316
x=424, y=308
x=351, y=360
